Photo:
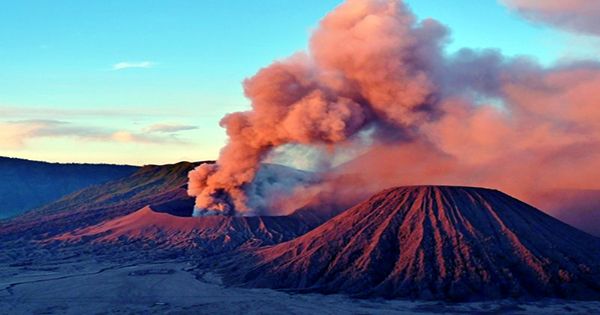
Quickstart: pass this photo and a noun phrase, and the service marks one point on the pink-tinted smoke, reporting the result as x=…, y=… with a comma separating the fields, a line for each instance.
x=373, y=72
x=369, y=65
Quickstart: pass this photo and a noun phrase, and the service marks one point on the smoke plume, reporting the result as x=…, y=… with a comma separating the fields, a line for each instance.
x=376, y=90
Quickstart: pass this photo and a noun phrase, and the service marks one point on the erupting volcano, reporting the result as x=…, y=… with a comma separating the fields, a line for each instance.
x=299, y=197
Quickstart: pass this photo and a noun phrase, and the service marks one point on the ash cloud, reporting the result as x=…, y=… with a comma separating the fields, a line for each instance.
x=376, y=90
x=379, y=76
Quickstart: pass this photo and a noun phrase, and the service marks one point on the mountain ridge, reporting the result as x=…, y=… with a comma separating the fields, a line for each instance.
x=149, y=185
x=27, y=184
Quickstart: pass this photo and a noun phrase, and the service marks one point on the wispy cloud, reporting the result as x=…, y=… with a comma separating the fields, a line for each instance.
x=170, y=128
x=133, y=137
x=133, y=64
x=581, y=16
x=27, y=112
x=17, y=134
x=14, y=134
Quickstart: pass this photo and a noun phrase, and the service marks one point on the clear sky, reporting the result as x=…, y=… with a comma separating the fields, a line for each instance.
x=147, y=81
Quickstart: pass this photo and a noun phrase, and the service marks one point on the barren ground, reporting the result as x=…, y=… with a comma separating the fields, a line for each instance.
x=86, y=285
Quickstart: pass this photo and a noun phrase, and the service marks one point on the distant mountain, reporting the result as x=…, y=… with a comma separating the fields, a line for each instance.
x=150, y=185
x=431, y=242
x=26, y=184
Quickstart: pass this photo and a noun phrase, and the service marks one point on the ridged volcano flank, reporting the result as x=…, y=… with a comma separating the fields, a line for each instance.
x=434, y=243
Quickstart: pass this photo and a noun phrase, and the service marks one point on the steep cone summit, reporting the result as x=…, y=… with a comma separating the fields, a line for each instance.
x=434, y=243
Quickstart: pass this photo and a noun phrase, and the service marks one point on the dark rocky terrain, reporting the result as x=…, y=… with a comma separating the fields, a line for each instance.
x=430, y=242
x=26, y=184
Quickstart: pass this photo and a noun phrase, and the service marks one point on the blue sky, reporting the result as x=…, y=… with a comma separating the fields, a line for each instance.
x=147, y=81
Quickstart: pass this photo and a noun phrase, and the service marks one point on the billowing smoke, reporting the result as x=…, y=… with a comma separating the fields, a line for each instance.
x=581, y=16
x=376, y=91
x=368, y=68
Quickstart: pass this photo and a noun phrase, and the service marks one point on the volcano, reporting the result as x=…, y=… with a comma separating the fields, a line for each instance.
x=432, y=242
x=206, y=235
